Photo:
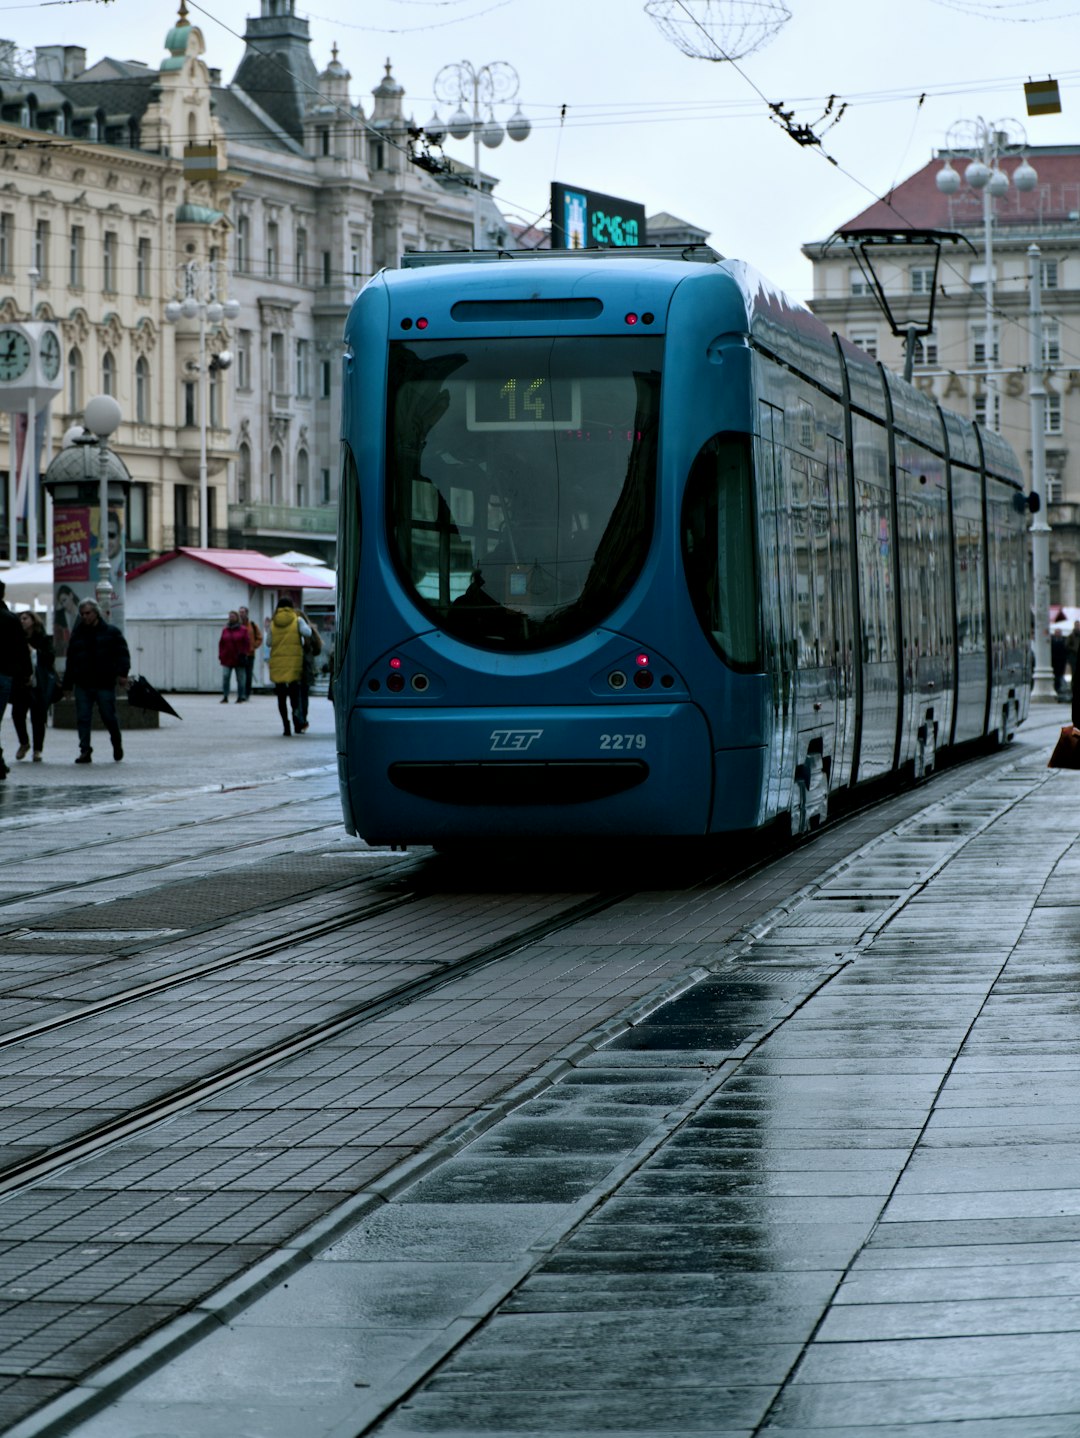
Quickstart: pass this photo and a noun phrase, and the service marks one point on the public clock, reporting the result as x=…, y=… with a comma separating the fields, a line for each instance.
x=50, y=355
x=14, y=355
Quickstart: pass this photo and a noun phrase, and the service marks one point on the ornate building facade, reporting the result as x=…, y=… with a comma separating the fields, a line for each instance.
x=119, y=180
x=980, y=368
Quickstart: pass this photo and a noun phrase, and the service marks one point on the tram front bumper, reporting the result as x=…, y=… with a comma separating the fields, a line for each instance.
x=426, y=775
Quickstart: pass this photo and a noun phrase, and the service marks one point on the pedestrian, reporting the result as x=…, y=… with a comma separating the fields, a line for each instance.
x=97, y=660
x=287, y=633
x=232, y=654
x=14, y=662
x=1072, y=650
x=34, y=698
x=313, y=647
x=1057, y=662
x=255, y=640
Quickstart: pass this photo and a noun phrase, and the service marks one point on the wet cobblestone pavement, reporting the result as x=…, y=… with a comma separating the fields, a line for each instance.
x=795, y=1155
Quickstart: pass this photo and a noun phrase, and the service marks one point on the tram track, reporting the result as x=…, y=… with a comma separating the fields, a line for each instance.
x=24, y=1172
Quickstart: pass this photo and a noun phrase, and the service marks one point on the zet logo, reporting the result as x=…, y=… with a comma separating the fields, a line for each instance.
x=516, y=739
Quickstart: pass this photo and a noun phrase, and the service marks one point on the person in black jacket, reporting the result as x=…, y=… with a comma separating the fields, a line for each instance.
x=14, y=662
x=97, y=660
x=34, y=699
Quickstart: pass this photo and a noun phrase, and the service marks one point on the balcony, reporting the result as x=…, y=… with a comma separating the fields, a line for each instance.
x=287, y=520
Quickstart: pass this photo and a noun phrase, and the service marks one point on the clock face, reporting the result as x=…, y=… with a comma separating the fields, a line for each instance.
x=14, y=354
x=50, y=355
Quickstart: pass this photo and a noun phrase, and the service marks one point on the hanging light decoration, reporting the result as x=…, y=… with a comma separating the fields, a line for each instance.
x=718, y=29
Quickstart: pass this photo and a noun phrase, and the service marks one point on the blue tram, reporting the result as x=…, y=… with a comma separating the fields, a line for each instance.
x=633, y=545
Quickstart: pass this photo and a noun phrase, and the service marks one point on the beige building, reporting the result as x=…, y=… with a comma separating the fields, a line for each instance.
x=116, y=178
x=987, y=377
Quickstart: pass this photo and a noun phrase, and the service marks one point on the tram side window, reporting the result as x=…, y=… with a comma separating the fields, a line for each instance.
x=348, y=553
x=718, y=548
x=875, y=541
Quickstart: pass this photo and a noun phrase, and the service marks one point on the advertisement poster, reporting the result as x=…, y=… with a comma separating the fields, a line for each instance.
x=76, y=534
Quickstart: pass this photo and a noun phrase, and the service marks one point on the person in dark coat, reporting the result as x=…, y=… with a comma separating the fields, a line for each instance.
x=14, y=662
x=1058, y=657
x=34, y=699
x=97, y=660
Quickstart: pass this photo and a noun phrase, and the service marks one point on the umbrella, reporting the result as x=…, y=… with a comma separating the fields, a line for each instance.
x=143, y=695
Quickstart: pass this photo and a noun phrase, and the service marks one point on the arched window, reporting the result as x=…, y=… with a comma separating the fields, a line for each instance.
x=75, y=381
x=108, y=374
x=243, y=474
x=142, y=390
x=275, y=476
x=302, y=496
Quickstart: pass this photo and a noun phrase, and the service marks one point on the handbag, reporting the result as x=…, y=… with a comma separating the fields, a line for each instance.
x=1066, y=753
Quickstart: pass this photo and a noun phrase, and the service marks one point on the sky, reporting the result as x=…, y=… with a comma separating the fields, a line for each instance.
x=616, y=107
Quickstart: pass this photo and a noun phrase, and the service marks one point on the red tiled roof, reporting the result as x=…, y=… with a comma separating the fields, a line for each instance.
x=258, y=570
x=918, y=204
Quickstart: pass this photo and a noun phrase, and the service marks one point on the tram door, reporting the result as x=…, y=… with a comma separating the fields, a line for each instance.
x=777, y=600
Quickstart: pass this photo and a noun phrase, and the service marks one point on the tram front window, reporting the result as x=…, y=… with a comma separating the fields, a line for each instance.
x=522, y=478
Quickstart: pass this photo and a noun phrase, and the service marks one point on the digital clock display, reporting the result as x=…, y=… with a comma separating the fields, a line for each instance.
x=522, y=401
x=586, y=220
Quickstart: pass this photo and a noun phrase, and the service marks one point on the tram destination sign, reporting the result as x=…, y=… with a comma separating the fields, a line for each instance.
x=585, y=220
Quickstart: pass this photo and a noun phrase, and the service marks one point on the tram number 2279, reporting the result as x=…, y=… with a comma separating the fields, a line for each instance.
x=622, y=741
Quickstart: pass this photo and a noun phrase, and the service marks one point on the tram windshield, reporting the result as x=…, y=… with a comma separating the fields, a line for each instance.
x=522, y=476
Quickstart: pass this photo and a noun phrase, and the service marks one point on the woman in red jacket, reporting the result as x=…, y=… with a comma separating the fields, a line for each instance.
x=232, y=651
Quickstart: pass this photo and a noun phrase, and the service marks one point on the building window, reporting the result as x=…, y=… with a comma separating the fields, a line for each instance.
x=979, y=346
x=858, y=287
x=1051, y=342
x=190, y=404
x=303, y=368
x=1048, y=274
x=302, y=477
x=243, y=474
x=866, y=340
x=182, y=514
x=75, y=384
x=75, y=256
x=243, y=359
x=279, y=382
x=108, y=262
x=324, y=379
x=354, y=261
x=977, y=277
x=243, y=244
x=922, y=279
x=41, y=249
x=142, y=269
x=326, y=267
x=108, y=374
x=1055, y=491
x=7, y=228
x=988, y=410
x=213, y=391
x=142, y=390
x=325, y=486
x=1053, y=414
x=271, y=250
x=324, y=142
x=926, y=350
x=301, y=256
x=137, y=526
x=275, y=476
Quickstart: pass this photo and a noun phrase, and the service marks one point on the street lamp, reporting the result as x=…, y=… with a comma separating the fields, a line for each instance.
x=984, y=145
x=458, y=85
x=200, y=285
x=101, y=417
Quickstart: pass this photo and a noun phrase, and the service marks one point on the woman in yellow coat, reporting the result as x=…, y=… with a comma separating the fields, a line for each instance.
x=287, y=633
